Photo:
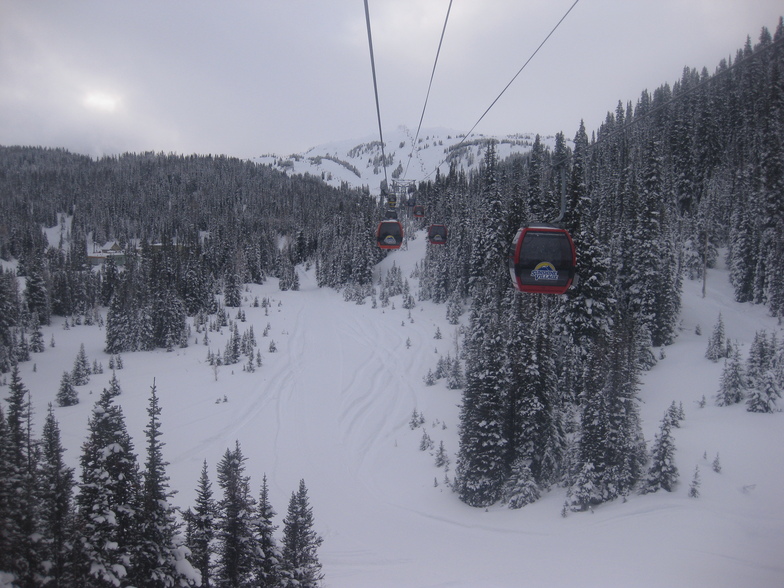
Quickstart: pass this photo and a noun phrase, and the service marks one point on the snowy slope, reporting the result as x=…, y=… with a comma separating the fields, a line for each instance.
x=351, y=161
x=332, y=406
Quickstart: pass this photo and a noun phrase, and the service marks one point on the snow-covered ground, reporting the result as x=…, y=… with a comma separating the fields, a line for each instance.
x=333, y=404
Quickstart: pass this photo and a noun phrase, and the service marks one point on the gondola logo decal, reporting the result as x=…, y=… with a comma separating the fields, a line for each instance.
x=390, y=240
x=544, y=271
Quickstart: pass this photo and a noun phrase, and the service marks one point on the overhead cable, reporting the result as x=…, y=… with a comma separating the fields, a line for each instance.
x=375, y=90
x=430, y=85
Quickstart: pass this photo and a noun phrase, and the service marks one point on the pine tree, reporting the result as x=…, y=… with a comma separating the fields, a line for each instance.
x=267, y=557
x=521, y=487
x=23, y=521
x=760, y=359
x=694, y=487
x=236, y=512
x=662, y=472
x=300, y=566
x=732, y=386
x=584, y=491
x=67, y=394
x=161, y=559
x=80, y=375
x=481, y=468
x=114, y=385
x=37, y=344
x=37, y=295
x=716, y=464
x=232, y=295
x=200, y=530
x=610, y=434
x=108, y=499
x=764, y=396
x=57, y=484
x=717, y=343
x=7, y=491
x=442, y=458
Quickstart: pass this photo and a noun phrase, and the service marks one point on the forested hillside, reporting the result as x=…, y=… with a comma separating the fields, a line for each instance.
x=551, y=383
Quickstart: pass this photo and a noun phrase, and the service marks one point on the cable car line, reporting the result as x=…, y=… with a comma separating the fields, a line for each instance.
x=520, y=70
x=375, y=90
x=468, y=134
x=430, y=85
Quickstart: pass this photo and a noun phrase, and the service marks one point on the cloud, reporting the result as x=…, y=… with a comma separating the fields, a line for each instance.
x=246, y=78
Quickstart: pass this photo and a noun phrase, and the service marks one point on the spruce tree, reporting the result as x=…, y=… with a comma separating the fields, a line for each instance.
x=585, y=491
x=80, y=374
x=161, y=560
x=57, y=484
x=694, y=487
x=109, y=499
x=521, y=487
x=760, y=359
x=114, y=385
x=23, y=520
x=235, y=523
x=37, y=344
x=662, y=472
x=765, y=395
x=67, y=394
x=732, y=385
x=7, y=490
x=300, y=566
x=610, y=437
x=200, y=529
x=481, y=461
x=37, y=296
x=267, y=557
x=717, y=344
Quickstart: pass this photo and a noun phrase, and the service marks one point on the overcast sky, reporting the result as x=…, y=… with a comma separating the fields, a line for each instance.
x=251, y=77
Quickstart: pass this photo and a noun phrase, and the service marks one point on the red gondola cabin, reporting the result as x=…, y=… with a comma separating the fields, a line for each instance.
x=419, y=211
x=542, y=260
x=437, y=234
x=389, y=234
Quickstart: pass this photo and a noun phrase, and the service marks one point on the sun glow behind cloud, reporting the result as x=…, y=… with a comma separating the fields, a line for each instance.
x=101, y=101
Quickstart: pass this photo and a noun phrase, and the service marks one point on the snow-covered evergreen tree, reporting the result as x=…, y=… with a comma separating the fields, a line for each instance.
x=521, y=487
x=235, y=540
x=267, y=555
x=56, y=485
x=694, y=487
x=732, y=385
x=481, y=468
x=300, y=566
x=662, y=472
x=764, y=396
x=200, y=528
x=108, y=500
x=161, y=559
x=585, y=490
x=717, y=343
x=7, y=489
x=67, y=394
x=22, y=507
x=80, y=374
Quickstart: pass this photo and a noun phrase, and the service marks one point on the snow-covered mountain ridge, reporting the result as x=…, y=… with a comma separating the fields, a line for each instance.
x=358, y=163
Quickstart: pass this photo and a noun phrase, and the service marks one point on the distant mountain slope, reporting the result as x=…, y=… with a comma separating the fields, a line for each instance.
x=358, y=162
